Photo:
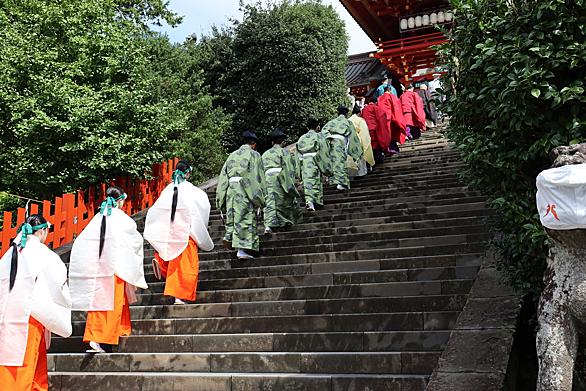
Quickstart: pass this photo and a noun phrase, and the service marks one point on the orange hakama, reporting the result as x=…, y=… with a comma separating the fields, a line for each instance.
x=181, y=273
x=32, y=375
x=108, y=326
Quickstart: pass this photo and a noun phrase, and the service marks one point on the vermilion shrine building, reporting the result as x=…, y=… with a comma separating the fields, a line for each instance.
x=404, y=32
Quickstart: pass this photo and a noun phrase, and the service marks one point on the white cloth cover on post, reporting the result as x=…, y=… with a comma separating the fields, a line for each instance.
x=91, y=277
x=561, y=197
x=40, y=290
x=170, y=239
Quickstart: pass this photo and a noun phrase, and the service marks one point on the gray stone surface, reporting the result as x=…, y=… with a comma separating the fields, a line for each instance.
x=477, y=353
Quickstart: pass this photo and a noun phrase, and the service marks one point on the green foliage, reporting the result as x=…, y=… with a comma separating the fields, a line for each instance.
x=84, y=96
x=196, y=126
x=282, y=64
x=9, y=203
x=515, y=91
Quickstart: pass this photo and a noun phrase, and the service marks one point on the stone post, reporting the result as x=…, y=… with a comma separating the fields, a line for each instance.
x=562, y=306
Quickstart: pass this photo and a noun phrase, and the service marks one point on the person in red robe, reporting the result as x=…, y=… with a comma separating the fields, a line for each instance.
x=391, y=122
x=370, y=113
x=413, y=112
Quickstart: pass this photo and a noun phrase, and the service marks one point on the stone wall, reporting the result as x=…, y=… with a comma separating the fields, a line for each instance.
x=477, y=355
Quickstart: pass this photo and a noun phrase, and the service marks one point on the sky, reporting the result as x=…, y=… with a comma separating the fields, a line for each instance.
x=201, y=15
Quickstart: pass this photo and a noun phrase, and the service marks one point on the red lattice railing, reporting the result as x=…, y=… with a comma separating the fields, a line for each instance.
x=70, y=213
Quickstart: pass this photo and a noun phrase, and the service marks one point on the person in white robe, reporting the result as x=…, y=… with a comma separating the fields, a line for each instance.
x=34, y=301
x=176, y=226
x=106, y=268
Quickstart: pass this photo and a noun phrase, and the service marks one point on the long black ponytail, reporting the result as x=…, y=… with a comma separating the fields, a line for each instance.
x=32, y=224
x=13, y=266
x=179, y=176
x=113, y=195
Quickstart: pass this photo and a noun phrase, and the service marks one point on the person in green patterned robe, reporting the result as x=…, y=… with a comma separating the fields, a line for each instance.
x=343, y=141
x=240, y=195
x=282, y=206
x=313, y=151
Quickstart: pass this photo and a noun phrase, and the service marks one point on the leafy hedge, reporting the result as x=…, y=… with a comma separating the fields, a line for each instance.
x=515, y=90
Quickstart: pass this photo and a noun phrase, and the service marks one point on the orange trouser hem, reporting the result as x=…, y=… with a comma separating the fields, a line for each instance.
x=181, y=273
x=32, y=375
x=108, y=326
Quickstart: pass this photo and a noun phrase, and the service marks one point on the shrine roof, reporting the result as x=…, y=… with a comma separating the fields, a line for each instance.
x=361, y=69
x=380, y=19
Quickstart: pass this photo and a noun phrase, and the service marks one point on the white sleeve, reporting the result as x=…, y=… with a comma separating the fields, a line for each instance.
x=200, y=215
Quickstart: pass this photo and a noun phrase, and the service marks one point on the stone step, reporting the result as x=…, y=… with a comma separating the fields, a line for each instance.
x=236, y=381
x=416, y=214
x=275, y=255
x=279, y=238
x=382, y=239
x=447, y=302
x=386, y=289
x=405, y=226
x=402, y=341
x=347, y=202
x=452, y=260
x=294, y=362
x=419, y=256
x=398, y=213
x=400, y=176
x=419, y=262
x=342, y=278
x=382, y=199
x=372, y=185
x=442, y=208
x=369, y=204
x=402, y=321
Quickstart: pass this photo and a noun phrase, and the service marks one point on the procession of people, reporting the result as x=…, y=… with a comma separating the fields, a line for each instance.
x=107, y=259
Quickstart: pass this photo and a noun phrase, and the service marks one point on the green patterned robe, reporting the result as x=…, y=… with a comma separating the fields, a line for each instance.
x=343, y=141
x=239, y=199
x=282, y=207
x=312, y=167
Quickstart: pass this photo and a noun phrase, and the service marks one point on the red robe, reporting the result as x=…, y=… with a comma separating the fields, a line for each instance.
x=369, y=113
x=392, y=119
x=381, y=140
x=413, y=109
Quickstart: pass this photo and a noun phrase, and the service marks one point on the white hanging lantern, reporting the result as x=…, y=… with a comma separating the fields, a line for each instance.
x=449, y=16
x=403, y=24
x=433, y=18
x=425, y=20
x=411, y=22
x=441, y=18
x=418, y=21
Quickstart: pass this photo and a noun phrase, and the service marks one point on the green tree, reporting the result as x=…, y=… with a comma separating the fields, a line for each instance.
x=515, y=91
x=84, y=96
x=196, y=126
x=282, y=64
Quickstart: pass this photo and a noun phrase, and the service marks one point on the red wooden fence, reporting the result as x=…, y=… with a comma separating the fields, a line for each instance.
x=70, y=213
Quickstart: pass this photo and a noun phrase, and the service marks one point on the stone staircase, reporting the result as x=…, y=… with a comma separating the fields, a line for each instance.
x=360, y=296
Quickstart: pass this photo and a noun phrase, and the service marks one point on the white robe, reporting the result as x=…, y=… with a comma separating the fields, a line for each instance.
x=91, y=277
x=40, y=290
x=561, y=197
x=170, y=239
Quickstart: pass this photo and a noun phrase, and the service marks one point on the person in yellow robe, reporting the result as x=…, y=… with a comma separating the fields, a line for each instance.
x=364, y=135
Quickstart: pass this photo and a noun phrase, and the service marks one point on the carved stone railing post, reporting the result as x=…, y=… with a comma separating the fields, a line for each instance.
x=561, y=201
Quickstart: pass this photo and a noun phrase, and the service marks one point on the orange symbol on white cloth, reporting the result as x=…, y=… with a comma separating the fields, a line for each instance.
x=551, y=208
